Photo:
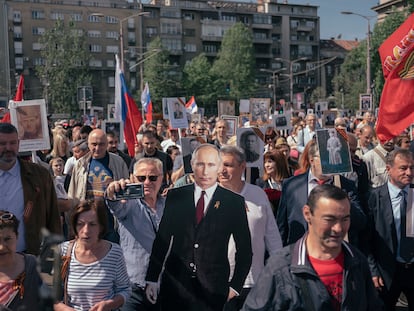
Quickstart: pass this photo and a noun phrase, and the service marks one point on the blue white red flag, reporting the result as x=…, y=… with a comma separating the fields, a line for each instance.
x=129, y=112
x=191, y=106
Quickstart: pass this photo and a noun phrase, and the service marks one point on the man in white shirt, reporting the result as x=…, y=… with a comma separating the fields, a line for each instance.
x=306, y=134
x=264, y=233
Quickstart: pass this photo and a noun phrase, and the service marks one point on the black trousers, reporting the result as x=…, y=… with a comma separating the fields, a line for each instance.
x=237, y=302
x=403, y=281
x=138, y=301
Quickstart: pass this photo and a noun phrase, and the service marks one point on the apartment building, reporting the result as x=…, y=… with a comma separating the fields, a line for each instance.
x=284, y=36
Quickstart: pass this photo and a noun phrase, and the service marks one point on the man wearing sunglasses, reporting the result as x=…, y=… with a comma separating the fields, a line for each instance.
x=138, y=223
x=193, y=239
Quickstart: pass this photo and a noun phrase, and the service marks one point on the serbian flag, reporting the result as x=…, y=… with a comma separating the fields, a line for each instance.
x=17, y=98
x=396, y=110
x=130, y=114
x=191, y=106
x=146, y=103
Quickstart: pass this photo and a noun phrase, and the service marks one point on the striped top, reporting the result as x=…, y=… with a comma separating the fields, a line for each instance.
x=91, y=283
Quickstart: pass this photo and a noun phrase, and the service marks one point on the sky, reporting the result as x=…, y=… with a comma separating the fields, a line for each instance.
x=333, y=23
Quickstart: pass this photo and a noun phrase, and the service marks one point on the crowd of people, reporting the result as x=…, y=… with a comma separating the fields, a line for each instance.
x=209, y=230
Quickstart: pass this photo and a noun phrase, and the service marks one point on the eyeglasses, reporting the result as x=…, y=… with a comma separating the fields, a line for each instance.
x=144, y=178
x=269, y=137
x=6, y=216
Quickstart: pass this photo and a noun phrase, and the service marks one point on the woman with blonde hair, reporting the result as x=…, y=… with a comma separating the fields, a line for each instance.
x=60, y=147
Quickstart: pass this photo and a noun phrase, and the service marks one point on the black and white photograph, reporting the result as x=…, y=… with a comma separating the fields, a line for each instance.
x=259, y=111
x=30, y=119
x=115, y=127
x=232, y=123
x=282, y=121
x=251, y=140
x=177, y=113
x=328, y=118
x=334, y=151
x=365, y=102
x=111, y=112
x=226, y=107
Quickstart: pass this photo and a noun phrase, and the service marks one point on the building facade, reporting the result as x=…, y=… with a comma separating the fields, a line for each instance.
x=284, y=36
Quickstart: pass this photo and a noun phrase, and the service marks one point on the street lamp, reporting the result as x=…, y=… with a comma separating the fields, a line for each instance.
x=121, y=34
x=291, y=74
x=368, y=19
x=274, y=79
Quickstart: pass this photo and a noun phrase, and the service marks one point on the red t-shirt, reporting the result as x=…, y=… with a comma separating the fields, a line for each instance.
x=331, y=274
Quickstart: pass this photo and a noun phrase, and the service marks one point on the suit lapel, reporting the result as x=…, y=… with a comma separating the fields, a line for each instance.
x=389, y=216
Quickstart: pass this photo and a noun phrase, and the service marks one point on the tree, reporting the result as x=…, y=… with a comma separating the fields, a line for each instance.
x=233, y=70
x=157, y=72
x=66, y=62
x=197, y=80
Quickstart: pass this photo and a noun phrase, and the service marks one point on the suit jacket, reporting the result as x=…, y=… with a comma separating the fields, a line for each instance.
x=200, y=252
x=383, y=240
x=290, y=219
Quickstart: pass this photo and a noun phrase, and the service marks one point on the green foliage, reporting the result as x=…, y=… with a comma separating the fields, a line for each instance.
x=162, y=79
x=197, y=80
x=65, y=68
x=234, y=66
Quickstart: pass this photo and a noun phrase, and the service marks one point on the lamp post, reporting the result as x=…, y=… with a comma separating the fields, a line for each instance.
x=274, y=79
x=291, y=74
x=368, y=19
x=121, y=34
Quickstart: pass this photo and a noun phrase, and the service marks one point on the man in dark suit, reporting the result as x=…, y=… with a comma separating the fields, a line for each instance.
x=295, y=191
x=193, y=242
x=391, y=252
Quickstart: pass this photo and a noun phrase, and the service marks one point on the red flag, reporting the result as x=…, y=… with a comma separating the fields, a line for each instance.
x=19, y=93
x=396, y=111
x=17, y=98
x=148, y=115
x=132, y=119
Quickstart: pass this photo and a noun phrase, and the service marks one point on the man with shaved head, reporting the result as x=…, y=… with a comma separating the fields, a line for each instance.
x=93, y=172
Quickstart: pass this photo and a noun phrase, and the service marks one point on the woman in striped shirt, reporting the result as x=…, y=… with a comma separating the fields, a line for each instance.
x=96, y=277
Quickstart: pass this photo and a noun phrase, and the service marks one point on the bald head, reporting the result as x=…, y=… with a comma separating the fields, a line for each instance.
x=97, y=143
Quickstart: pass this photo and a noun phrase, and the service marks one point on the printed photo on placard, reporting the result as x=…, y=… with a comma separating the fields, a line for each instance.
x=30, y=119
x=334, y=151
x=195, y=117
x=282, y=121
x=177, y=113
x=111, y=112
x=188, y=145
x=244, y=106
x=232, y=123
x=226, y=107
x=259, y=111
x=244, y=119
x=165, y=115
x=365, y=102
x=251, y=140
x=116, y=128
x=328, y=118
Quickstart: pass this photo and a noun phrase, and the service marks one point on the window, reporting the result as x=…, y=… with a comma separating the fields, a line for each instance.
x=190, y=47
x=111, y=20
x=95, y=63
x=172, y=44
x=113, y=49
x=170, y=28
x=111, y=81
x=151, y=31
x=293, y=38
x=37, y=31
x=76, y=17
x=17, y=32
x=210, y=48
x=95, y=48
x=18, y=47
x=18, y=61
x=93, y=19
x=110, y=63
x=189, y=32
x=112, y=34
x=38, y=61
x=38, y=14
x=17, y=16
x=131, y=37
x=294, y=24
x=188, y=16
x=57, y=16
x=229, y=18
x=94, y=34
x=36, y=46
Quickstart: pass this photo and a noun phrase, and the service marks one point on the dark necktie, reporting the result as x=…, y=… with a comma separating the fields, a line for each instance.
x=406, y=243
x=200, y=208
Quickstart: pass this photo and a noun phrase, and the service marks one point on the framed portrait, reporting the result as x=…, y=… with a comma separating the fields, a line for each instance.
x=259, y=111
x=282, y=121
x=177, y=112
x=188, y=145
x=365, y=102
x=30, y=119
x=226, y=107
x=251, y=140
x=244, y=118
x=195, y=117
x=117, y=128
x=334, y=151
x=232, y=123
x=165, y=109
x=111, y=112
x=328, y=118
x=244, y=106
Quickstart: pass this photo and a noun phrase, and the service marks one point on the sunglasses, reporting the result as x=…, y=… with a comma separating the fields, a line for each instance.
x=6, y=216
x=269, y=137
x=144, y=178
